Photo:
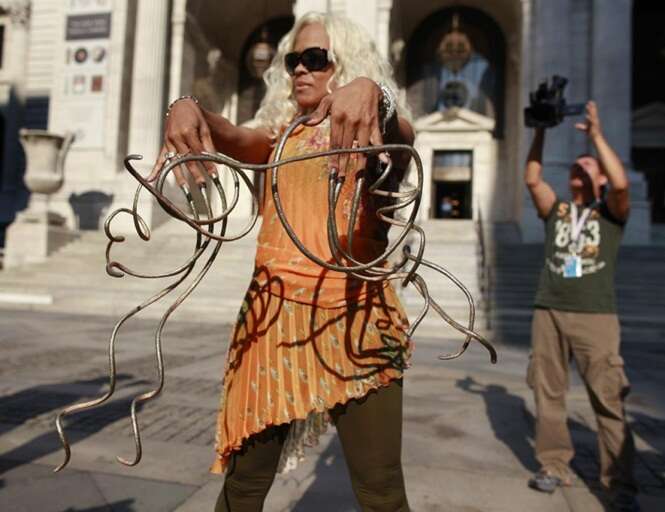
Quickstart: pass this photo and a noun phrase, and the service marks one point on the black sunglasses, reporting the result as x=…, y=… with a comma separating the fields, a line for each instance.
x=314, y=59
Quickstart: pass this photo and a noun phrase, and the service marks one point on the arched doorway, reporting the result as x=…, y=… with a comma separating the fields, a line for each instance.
x=456, y=59
x=209, y=60
x=215, y=42
x=455, y=82
x=251, y=87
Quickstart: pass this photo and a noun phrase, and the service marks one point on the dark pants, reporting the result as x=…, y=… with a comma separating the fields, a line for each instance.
x=370, y=430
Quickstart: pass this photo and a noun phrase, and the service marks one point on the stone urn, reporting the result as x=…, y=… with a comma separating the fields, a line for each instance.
x=37, y=232
x=44, y=174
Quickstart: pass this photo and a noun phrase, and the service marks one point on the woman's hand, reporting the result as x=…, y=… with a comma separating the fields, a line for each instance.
x=186, y=132
x=354, y=116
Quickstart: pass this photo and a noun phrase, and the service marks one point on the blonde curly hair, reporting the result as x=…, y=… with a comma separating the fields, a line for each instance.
x=353, y=52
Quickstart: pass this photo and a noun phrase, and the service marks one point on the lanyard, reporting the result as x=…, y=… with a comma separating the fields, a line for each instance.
x=577, y=223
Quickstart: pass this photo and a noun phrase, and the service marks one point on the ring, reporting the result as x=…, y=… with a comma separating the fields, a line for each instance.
x=170, y=155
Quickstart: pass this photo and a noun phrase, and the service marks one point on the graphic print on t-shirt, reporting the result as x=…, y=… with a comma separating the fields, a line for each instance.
x=587, y=245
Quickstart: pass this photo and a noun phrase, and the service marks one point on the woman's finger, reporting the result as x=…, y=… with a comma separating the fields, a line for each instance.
x=376, y=139
x=348, y=136
x=194, y=140
x=195, y=144
x=194, y=171
x=321, y=111
x=336, y=143
x=179, y=177
x=363, y=140
x=336, y=134
x=157, y=168
x=208, y=147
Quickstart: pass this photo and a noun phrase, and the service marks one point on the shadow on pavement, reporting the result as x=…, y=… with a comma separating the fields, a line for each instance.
x=513, y=425
x=324, y=495
x=504, y=411
x=29, y=404
x=118, y=506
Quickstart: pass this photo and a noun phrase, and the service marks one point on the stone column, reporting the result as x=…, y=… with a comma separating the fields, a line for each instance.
x=12, y=193
x=382, y=35
x=301, y=7
x=611, y=76
x=19, y=14
x=337, y=6
x=551, y=54
x=611, y=56
x=148, y=82
x=148, y=103
x=374, y=16
x=178, y=23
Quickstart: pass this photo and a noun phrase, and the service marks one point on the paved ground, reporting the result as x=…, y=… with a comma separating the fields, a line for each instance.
x=467, y=445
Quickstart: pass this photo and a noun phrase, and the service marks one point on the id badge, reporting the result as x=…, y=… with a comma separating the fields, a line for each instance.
x=572, y=266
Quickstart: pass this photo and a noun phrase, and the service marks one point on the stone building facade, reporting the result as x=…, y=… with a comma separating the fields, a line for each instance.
x=107, y=69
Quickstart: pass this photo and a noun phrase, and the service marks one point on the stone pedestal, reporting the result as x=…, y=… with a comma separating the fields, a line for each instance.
x=37, y=231
x=31, y=238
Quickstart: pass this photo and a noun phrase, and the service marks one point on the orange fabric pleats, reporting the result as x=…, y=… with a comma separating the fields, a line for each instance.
x=288, y=359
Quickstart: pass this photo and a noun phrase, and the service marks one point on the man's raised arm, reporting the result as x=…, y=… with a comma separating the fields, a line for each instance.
x=542, y=194
x=618, y=200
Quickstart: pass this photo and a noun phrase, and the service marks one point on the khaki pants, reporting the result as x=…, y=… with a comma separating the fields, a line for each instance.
x=593, y=340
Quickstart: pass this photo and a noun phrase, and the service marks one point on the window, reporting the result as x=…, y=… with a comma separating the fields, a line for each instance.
x=451, y=185
x=456, y=58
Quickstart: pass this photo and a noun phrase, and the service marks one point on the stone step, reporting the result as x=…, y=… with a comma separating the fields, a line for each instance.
x=455, y=231
x=75, y=279
x=514, y=273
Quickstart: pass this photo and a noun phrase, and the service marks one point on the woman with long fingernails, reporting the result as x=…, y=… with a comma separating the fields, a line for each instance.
x=312, y=346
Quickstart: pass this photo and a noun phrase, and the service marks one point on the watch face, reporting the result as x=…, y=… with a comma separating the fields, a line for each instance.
x=81, y=55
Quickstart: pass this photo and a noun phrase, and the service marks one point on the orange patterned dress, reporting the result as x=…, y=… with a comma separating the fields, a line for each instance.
x=307, y=338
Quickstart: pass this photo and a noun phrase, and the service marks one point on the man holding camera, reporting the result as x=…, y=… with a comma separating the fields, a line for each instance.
x=575, y=314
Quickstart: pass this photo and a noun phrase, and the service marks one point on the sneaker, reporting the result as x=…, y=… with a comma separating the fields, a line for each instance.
x=544, y=481
x=624, y=502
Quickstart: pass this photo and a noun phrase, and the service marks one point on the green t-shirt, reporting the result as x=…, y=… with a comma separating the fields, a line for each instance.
x=597, y=245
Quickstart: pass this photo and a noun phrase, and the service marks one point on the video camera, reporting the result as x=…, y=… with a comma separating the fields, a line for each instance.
x=547, y=106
